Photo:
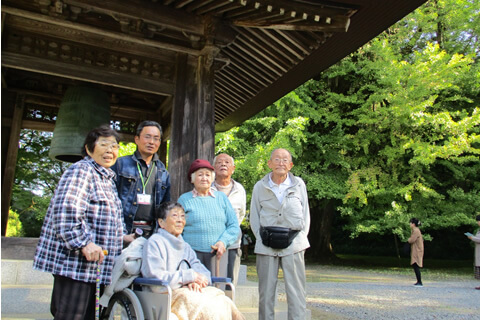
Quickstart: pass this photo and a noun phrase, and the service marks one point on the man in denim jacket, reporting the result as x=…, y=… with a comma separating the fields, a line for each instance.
x=143, y=183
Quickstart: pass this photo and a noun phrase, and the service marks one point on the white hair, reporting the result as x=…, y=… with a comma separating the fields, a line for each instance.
x=192, y=177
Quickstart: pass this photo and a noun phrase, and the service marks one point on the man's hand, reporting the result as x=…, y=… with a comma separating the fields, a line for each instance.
x=220, y=248
x=92, y=252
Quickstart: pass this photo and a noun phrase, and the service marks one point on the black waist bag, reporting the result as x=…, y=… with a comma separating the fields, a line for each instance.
x=277, y=237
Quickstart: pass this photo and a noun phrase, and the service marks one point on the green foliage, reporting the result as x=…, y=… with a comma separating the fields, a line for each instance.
x=31, y=210
x=14, y=225
x=35, y=170
x=126, y=149
x=36, y=178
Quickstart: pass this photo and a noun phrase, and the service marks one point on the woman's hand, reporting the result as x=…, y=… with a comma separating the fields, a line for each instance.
x=128, y=238
x=200, y=279
x=193, y=286
x=220, y=248
x=92, y=252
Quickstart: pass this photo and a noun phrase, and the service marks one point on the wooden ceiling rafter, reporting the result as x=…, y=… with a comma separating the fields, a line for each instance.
x=240, y=81
x=256, y=59
x=270, y=44
x=232, y=92
x=256, y=76
x=282, y=42
x=267, y=58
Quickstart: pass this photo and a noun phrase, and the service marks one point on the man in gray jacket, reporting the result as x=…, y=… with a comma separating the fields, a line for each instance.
x=280, y=221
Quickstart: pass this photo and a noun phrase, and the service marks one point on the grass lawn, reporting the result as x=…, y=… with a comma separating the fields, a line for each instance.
x=433, y=269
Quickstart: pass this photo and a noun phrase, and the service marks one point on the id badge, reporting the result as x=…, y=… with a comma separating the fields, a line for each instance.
x=144, y=198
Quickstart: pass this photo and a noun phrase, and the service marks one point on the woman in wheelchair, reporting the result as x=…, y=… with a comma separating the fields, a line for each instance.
x=166, y=256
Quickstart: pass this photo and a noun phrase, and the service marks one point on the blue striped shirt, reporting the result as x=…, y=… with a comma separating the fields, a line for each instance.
x=85, y=208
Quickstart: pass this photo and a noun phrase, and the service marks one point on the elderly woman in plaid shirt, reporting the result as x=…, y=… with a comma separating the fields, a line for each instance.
x=83, y=219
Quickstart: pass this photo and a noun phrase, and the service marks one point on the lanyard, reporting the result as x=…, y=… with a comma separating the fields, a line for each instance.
x=144, y=183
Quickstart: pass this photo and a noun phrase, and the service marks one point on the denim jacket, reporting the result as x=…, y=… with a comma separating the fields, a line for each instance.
x=128, y=181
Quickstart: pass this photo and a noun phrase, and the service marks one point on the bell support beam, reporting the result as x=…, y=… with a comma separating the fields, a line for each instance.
x=11, y=160
x=89, y=74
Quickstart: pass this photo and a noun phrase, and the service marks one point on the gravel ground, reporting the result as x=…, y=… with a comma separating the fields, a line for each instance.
x=368, y=295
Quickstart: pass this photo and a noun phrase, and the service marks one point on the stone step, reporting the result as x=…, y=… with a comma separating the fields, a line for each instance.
x=246, y=295
x=281, y=312
x=20, y=272
x=26, y=300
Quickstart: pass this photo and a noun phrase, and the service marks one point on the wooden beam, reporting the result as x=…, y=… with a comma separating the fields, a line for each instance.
x=88, y=74
x=146, y=11
x=11, y=161
x=339, y=24
x=156, y=14
x=94, y=30
x=42, y=29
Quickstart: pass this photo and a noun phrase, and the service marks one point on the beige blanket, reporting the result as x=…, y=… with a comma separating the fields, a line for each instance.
x=211, y=304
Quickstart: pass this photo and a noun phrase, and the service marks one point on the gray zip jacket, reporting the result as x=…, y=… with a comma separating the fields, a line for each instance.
x=293, y=212
x=238, y=199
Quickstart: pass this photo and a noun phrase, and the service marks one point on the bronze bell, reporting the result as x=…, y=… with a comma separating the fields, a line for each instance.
x=82, y=109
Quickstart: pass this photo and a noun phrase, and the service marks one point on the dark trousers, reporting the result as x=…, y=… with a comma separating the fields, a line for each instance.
x=209, y=260
x=416, y=268
x=72, y=299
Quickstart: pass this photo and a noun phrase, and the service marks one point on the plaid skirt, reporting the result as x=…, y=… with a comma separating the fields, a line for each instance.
x=477, y=272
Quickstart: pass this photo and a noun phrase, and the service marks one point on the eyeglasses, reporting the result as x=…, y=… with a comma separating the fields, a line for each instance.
x=177, y=217
x=106, y=145
x=284, y=161
x=150, y=137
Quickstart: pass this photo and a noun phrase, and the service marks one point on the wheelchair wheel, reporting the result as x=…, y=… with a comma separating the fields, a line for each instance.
x=123, y=305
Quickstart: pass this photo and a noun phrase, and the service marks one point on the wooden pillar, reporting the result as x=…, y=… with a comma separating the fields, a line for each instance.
x=193, y=124
x=162, y=150
x=11, y=160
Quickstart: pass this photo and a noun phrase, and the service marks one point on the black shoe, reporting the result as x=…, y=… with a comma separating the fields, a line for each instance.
x=418, y=285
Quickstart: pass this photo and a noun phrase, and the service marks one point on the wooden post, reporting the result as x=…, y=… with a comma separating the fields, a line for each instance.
x=193, y=125
x=11, y=160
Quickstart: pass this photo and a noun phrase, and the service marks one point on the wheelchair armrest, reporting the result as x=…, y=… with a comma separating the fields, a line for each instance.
x=221, y=280
x=150, y=282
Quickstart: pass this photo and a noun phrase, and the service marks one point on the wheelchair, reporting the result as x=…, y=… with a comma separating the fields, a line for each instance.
x=136, y=302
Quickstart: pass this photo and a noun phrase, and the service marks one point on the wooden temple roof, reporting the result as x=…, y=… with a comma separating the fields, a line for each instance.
x=260, y=50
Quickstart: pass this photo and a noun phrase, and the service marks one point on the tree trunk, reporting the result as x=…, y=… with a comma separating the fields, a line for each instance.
x=321, y=215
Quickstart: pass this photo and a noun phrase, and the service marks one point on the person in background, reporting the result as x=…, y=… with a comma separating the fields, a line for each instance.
x=224, y=168
x=143, y=183
x=211, y=223
x=416, y=252
x=476, y=240
x=84, y=219
x=280, y=221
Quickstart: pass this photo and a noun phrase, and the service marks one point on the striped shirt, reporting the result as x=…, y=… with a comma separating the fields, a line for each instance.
x=85, y=208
